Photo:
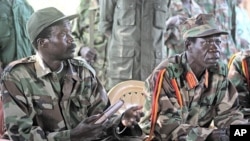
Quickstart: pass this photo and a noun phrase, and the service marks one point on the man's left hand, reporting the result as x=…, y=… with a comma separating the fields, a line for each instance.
x=89, y=54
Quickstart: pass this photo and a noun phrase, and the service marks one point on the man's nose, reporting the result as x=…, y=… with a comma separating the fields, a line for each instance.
x=214, y=47
x=70, y=38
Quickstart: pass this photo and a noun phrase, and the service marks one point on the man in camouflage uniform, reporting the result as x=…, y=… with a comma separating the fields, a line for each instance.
x=239, y=73
x=193, y=89
x=225, y=15
x=87, y=37
x=136, y=37
x=182, y=9
x=53, y=96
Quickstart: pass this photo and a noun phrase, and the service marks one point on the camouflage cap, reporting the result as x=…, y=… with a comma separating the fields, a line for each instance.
x=199, y=26
x=43, y=18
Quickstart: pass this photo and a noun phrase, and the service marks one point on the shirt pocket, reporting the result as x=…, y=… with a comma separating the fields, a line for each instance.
x=123, y=56
x=124, y=22
x=160, y=15
x=4, y=24
x=125, y=10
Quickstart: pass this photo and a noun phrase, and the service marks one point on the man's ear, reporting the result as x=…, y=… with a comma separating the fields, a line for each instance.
x=187, y=44
x=42, y=42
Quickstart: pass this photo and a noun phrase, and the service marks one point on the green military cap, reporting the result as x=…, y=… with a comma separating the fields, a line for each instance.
x=199, y=26
x=43, y=18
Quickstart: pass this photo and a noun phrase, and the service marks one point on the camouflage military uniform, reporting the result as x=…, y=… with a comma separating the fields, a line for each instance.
x=201, y=104
x=173, y=36
x=136, y=29
x=85, y=31
x=238, y=77
x=224, y=11
x=43, y=105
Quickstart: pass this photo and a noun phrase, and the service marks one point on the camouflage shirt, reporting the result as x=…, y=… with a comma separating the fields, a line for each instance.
x=203, y=102
x=238, y=77
x=43, y=105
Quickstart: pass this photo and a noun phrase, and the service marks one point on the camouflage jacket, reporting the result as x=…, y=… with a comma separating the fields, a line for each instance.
x=202, y=102
x=43, y=105
x=238, y=77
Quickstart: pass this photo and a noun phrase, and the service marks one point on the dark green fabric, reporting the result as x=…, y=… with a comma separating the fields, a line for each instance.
x=14, y=42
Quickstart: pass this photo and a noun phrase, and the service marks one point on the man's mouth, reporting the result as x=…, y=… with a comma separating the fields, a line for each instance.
x=213, y=60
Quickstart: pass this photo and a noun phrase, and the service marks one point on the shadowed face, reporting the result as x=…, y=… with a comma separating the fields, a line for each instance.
x=206, y=51
x=60, y=44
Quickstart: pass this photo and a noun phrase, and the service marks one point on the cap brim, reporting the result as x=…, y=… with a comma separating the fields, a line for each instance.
x=211, y=32
x=202, y=31
x=70, y=17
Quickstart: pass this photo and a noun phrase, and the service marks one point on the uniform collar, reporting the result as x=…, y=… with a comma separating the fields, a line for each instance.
x=190, y=77
x=41, y=68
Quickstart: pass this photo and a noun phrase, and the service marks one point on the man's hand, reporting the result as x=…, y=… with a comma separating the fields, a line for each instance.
x=132, y=116
x=87, y=130
x=175, y=20
x=89, y=54
x=221, y=134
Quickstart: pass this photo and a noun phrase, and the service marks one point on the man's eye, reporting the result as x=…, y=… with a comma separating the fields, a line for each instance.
x=208, y=42
x=211, y=42
x=217, y=42
x=63, y=34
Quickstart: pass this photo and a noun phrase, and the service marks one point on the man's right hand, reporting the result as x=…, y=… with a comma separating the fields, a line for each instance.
x=175, y=20
x=89, y=54
x=87, y=130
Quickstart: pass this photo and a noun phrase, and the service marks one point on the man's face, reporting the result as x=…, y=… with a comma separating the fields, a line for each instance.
x=61, y=44
x=206, y=51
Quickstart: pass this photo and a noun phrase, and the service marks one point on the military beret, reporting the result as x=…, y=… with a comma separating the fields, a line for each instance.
x=43, y=18
x=199, y=26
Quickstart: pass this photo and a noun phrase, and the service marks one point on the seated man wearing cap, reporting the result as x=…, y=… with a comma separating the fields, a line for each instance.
x=190, y=90
x=53, y=96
